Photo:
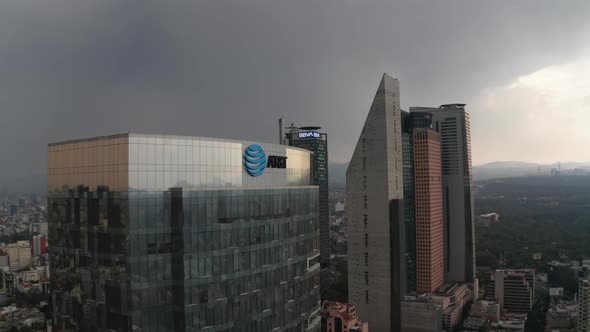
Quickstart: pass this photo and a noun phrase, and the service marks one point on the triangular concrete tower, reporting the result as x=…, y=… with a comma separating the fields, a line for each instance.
x=374, y=204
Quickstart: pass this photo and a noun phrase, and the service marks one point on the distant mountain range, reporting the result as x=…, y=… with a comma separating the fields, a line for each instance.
x=506, y=169
x=34, y=184
x=494, y=170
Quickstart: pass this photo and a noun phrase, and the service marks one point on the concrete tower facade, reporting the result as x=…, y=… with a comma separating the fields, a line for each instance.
x=374, y=202
x=429, y=211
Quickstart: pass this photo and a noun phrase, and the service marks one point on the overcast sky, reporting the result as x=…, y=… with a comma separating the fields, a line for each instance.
x=73, y=69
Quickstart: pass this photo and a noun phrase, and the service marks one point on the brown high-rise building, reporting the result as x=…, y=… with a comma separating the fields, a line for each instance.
x=452, y=122
x=429, y=210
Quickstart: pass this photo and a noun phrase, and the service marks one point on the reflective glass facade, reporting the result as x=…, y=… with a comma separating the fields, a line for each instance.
x=319, y=147
x=409, y=200
x=166, y=233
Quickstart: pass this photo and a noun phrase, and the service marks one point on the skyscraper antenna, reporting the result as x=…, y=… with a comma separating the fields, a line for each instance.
x=281, y=136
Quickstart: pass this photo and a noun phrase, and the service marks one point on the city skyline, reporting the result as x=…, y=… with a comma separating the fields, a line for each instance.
x=410, y=212
x=145, y=64
x=143, y=186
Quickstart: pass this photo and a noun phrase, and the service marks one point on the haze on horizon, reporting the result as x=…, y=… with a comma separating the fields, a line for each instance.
x=71, y=69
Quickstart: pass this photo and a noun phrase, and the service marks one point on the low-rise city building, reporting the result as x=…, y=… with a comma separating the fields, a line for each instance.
x=19, y=254
x=340, y=317
x=563, y=274
x=4, y=259
x=13, y=315
x=514, y=290
x=39, y=245
x=40, y=228
x=511, y=324
x=561, y=317
x=452, y=298
x=475, y=323
x=488, y=310
x=421, y=314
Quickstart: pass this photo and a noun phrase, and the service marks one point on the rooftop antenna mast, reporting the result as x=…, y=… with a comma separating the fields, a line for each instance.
x=281, y=136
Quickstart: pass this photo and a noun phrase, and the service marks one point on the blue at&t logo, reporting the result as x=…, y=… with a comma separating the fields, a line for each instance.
x=254, y=160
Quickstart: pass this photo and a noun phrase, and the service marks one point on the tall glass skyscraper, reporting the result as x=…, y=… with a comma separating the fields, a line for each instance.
x=174, y=233
x=311, y=139
x=409, y=203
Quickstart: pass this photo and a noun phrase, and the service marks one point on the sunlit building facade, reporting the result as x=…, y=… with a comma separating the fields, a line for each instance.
x=174, y=233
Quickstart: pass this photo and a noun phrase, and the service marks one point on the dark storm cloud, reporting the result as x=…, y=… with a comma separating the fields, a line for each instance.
x=71, y=69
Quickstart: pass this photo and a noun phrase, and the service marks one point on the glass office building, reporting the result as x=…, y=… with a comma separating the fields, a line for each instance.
x=311, y=139
x=169, y=233
x=409, y=200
